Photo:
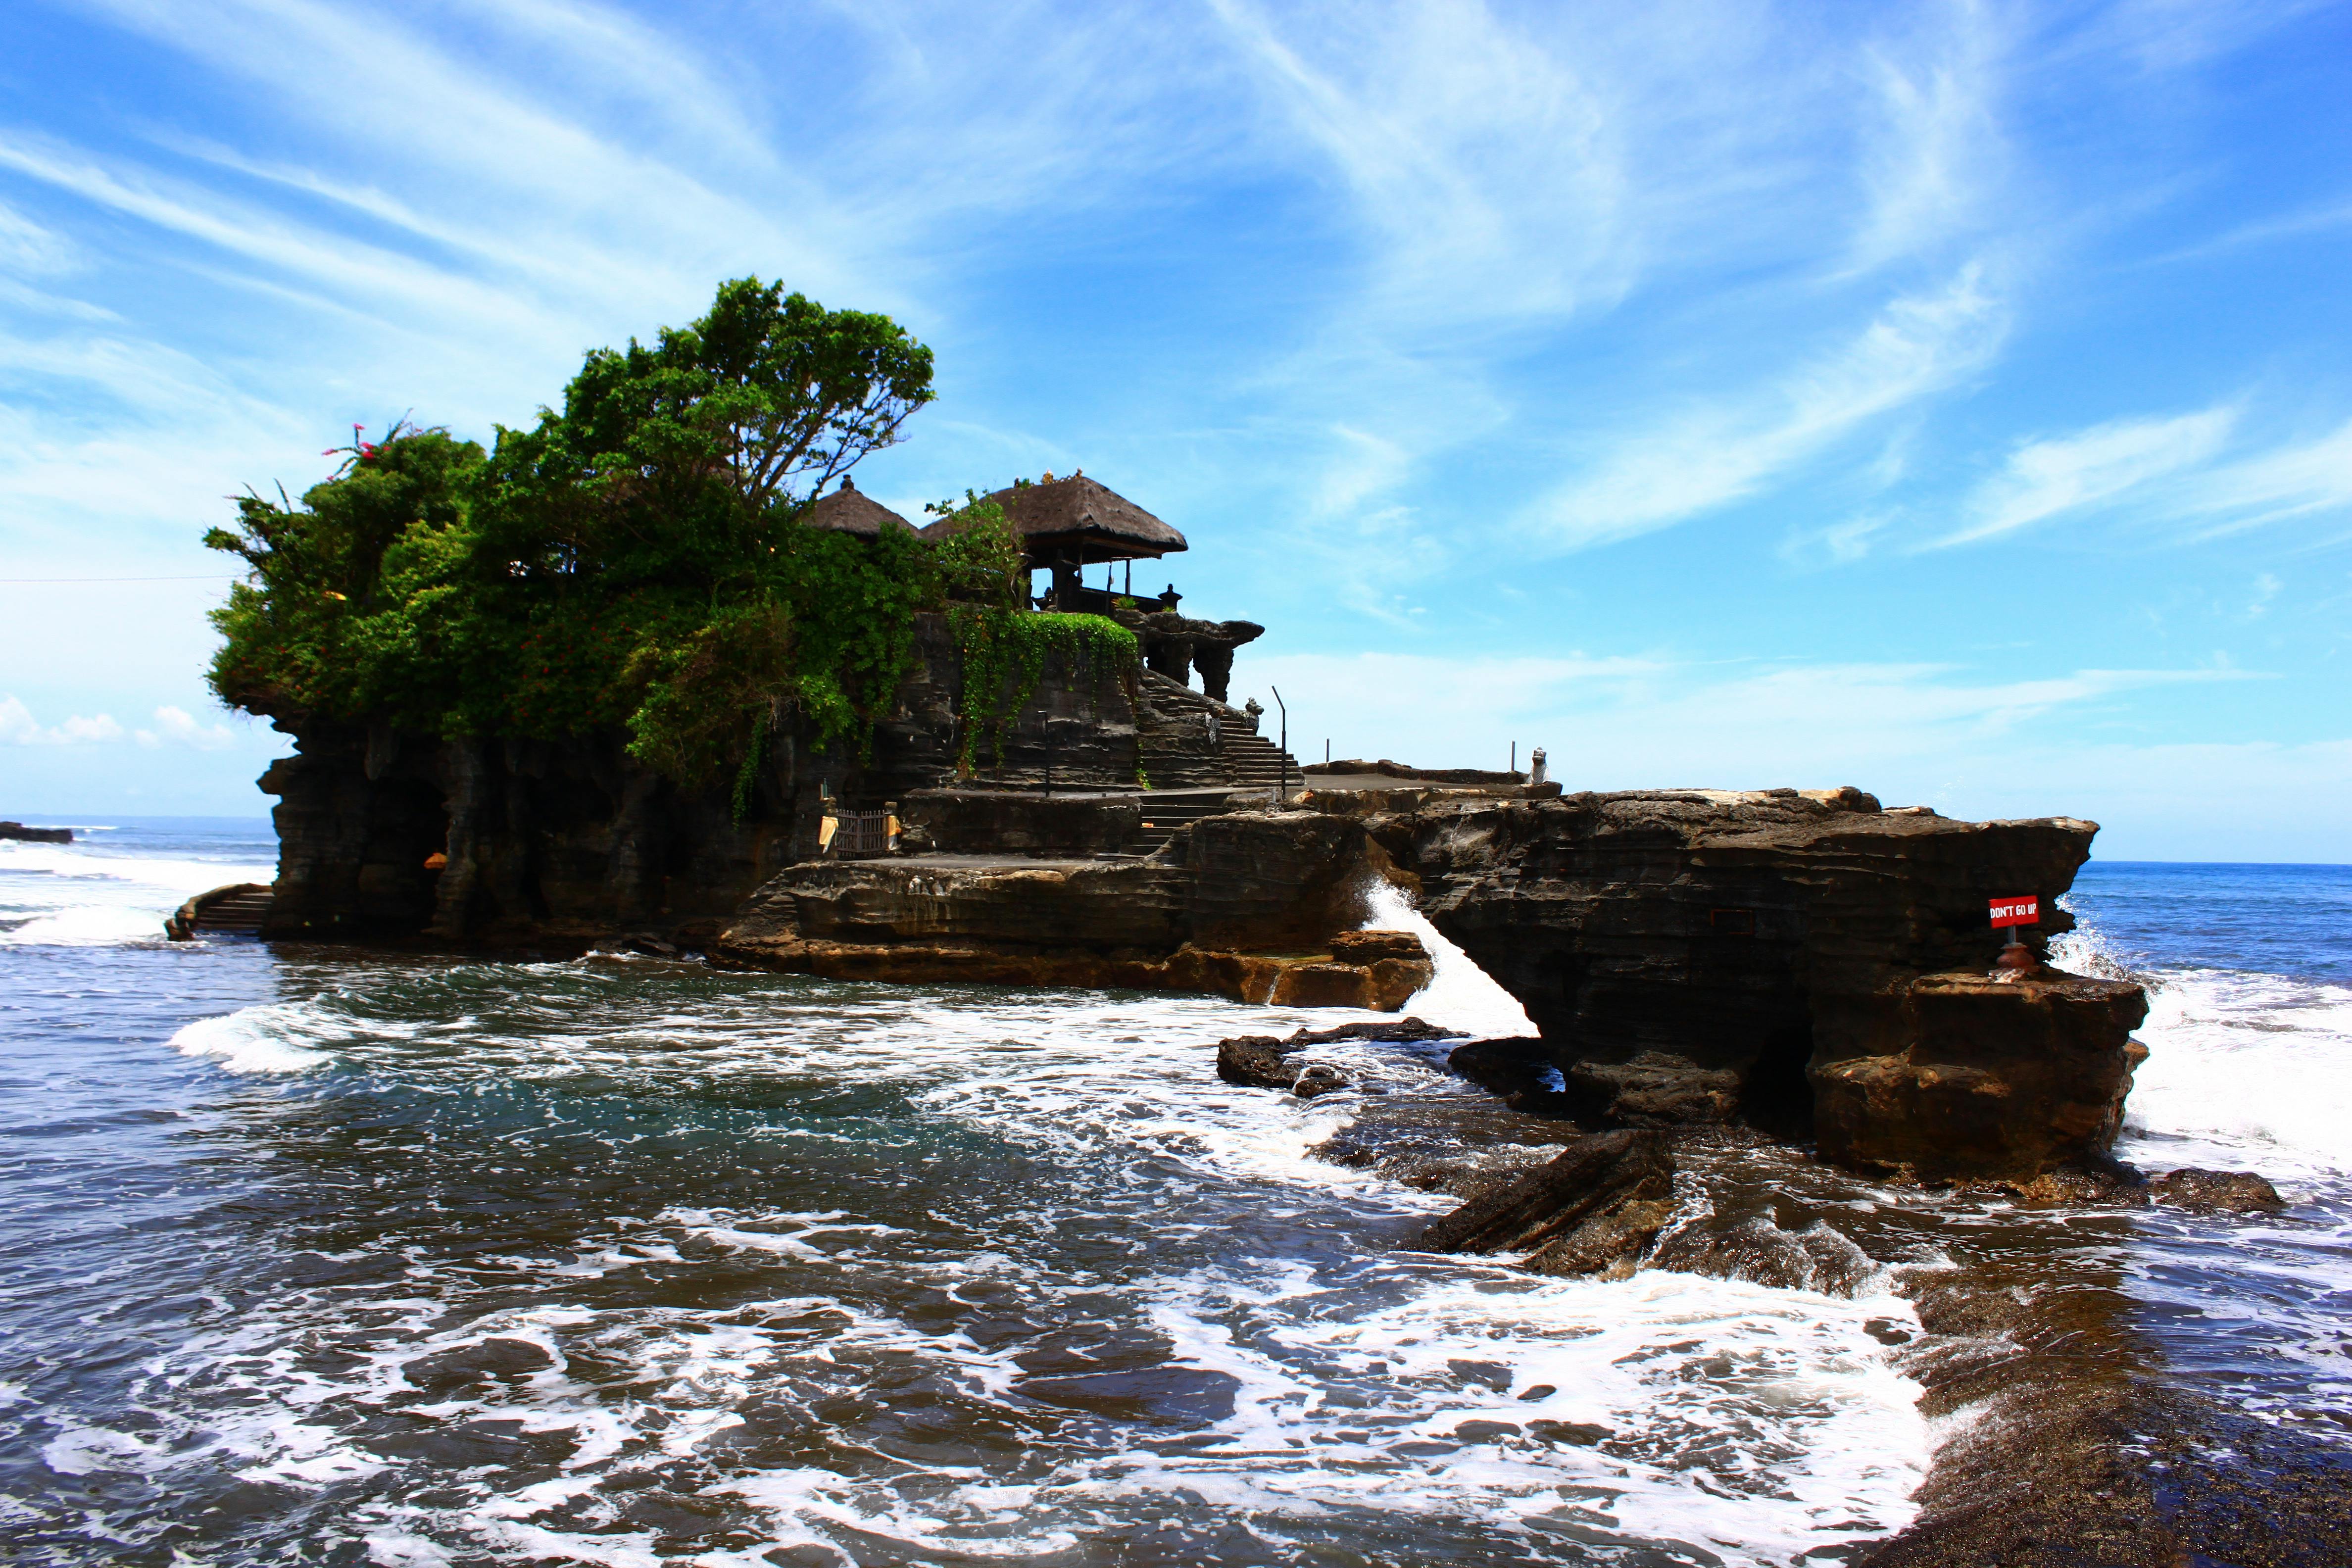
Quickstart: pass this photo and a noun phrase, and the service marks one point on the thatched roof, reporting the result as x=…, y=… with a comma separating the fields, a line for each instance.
x=849, y=511
x=1078, y=516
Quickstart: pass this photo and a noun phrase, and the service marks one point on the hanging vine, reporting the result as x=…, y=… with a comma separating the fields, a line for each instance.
x=1006, y=653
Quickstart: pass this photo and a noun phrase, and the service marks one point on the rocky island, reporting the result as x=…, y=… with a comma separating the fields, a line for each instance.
x=629, y=680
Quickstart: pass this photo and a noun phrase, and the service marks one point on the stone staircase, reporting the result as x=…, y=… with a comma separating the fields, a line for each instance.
x=1175, y=750
x=237, y=914
x=235, y=911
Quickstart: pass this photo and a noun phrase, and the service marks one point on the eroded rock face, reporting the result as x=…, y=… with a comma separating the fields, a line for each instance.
x=1006, y=822
x=1656, y=1089
x=1695, y=956
x=1244, y=906
x=1998, y=1075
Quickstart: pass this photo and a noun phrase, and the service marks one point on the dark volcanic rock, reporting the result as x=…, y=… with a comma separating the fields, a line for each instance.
x=1255, y=1061
x=1775, y=936
x=1404, y=1031
x=1009, y=822
x=1263, y=1061
x=1241, y=909
x=1593, y=1210
x=18, y=831
x=2223, y=1191
x=1318, y=1081
x=1520, y=1070
x=1655, y=1090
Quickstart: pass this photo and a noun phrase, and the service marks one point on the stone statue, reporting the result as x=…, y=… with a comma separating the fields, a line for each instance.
x=1536, y=775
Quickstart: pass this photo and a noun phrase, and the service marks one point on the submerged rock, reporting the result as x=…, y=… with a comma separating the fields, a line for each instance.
x=1318, y=1080
x=1594, y=1210
x=2099, y=1184
x=1817, y=1257
x=1656, y=1089
x=1518, y=1069
x=1255, y=1061
x=496, y=1357
x=2213, y=1192
x=2111, y=1184
x=1263, y=1061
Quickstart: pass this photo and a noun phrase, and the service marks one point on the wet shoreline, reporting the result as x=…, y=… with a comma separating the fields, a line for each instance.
x=2066, y=1434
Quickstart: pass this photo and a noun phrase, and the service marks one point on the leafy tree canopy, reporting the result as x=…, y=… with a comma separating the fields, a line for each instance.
x=633, y=559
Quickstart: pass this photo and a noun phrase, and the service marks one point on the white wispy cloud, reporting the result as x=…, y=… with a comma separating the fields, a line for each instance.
x=1489, y=170
x=177, y=726
x=2291, y=480
x=29, y=248
x=1932, y=155
x=2090, y=468
x=2176, y=477
x=1918, y=345
x=18, y=728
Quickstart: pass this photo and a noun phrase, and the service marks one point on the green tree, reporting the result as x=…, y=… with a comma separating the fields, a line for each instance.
x=634, y=561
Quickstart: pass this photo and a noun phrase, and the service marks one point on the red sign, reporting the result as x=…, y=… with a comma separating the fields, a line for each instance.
x=2021, y=911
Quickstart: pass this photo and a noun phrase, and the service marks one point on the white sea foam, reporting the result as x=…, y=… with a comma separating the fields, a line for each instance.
x=275, y=1037
x=2245, y=1069
x=1348, y=1399
x=81, y=895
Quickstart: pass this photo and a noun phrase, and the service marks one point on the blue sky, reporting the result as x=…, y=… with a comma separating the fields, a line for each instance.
x=1951, y=400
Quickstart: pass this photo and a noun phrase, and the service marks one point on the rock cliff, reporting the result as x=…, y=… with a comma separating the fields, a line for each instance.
x=1701, y=956
x=1256, y=905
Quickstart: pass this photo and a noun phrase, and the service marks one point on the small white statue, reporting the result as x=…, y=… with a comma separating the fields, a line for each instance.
x=1536, y=767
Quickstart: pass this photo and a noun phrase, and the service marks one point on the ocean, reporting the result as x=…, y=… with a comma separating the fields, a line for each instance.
x=325, y=1255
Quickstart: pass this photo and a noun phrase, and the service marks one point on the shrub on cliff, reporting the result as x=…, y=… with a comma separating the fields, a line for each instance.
x=633, y=559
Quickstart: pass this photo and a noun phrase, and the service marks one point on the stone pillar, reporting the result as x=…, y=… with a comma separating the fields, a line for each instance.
x=1215, y=660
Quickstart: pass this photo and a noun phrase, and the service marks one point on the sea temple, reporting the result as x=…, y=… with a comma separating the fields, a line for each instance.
x=1800, y=960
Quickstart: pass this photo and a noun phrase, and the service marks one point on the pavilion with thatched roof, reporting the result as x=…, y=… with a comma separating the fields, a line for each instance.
x=1069, y=525
x=850, y=510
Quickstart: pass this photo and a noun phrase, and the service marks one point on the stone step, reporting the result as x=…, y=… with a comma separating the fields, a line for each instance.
x=245, y=912
x=1164, y=813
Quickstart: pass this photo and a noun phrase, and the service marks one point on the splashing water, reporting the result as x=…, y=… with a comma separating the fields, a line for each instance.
x=1459, y=995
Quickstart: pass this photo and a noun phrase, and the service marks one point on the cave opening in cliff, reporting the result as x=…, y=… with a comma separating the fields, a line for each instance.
x=1776, y=1097
x=409, y=849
